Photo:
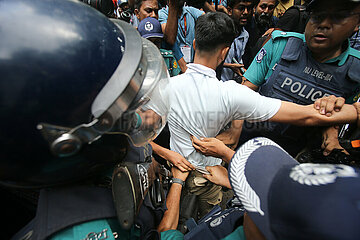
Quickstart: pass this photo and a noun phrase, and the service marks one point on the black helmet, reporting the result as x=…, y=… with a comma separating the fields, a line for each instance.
x=70, y=77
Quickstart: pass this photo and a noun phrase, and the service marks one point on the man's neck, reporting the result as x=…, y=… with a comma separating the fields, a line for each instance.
x=206, y=60
x=323, y=57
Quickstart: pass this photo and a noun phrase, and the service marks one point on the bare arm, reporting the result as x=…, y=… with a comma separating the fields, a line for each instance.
x=250, y=85
x=231, y=136
x=308, y=116
x=182, y=64
x=208, y=7
x=330, y=140
x=171, y=216
x=170, y=27
x=235, y=67
x=173, y=157
x=218, y=175
x=213, y=147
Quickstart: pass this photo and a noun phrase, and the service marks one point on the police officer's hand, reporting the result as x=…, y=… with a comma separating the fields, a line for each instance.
x=328, y=104
x=218, y=175
x=331, y=141
x=177, y=173
x=179, y=161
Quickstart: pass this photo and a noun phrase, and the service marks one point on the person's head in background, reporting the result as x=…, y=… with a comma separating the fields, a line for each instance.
x=241, y=11
x=150, y=28
x=214, y=33
x=123, y=5
x=264, y=11
x=330, y=25
x=146, y=8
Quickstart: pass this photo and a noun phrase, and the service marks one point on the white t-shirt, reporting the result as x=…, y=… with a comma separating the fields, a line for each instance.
x=201, y=105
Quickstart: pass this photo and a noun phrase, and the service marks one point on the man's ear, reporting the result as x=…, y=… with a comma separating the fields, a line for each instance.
x=136, y=11
x=229, y=11
x=357, y=26
x=224, y=52
x=194, y=44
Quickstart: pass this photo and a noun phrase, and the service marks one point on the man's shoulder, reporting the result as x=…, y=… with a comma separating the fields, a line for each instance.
x=355, y=53
x=193, y=11
x=278, y=35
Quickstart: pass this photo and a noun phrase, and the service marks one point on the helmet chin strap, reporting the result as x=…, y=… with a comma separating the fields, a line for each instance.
x=66, y=142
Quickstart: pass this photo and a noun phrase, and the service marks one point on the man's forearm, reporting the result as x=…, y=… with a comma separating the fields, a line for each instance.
x=159, y=150
x=308, y=116
x=172, y=23
x=171, y=216
x=228, y=153
x=250, y=85
x=348, y=114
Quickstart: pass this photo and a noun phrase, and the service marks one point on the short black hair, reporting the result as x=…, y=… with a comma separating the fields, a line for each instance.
x=138, y=4
x=213, y=30
x=232, y=3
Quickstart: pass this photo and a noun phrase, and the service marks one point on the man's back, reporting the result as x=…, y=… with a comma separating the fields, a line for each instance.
x=202, y=106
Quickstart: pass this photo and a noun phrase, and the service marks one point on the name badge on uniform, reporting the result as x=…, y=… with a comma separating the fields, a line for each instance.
x=186, y=51
x=260, y=55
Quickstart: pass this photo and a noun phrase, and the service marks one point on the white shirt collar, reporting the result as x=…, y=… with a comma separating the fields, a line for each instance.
x=194, y=67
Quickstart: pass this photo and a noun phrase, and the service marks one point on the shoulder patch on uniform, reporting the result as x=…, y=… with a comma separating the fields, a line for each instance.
x=260, y=55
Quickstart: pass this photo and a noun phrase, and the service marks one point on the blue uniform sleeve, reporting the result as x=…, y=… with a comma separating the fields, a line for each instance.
x=172, y=235
x=261, y=67
x=163, y=15
x=177, y=51
x=195, y=12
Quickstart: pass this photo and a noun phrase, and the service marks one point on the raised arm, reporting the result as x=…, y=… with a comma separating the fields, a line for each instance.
x=170, y=27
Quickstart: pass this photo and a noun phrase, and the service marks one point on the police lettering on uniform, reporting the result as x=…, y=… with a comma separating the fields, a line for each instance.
x=302, y=90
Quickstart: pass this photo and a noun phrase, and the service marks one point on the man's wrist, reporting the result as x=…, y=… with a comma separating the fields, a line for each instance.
x=178, y=181
x=227, y=154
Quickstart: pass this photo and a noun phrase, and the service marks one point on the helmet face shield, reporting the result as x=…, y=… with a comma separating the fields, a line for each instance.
x=140, y=110
x=133, y=101
x=150, y=104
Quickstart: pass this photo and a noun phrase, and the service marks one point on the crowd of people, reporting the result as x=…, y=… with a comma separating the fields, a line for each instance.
x=225, y=119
